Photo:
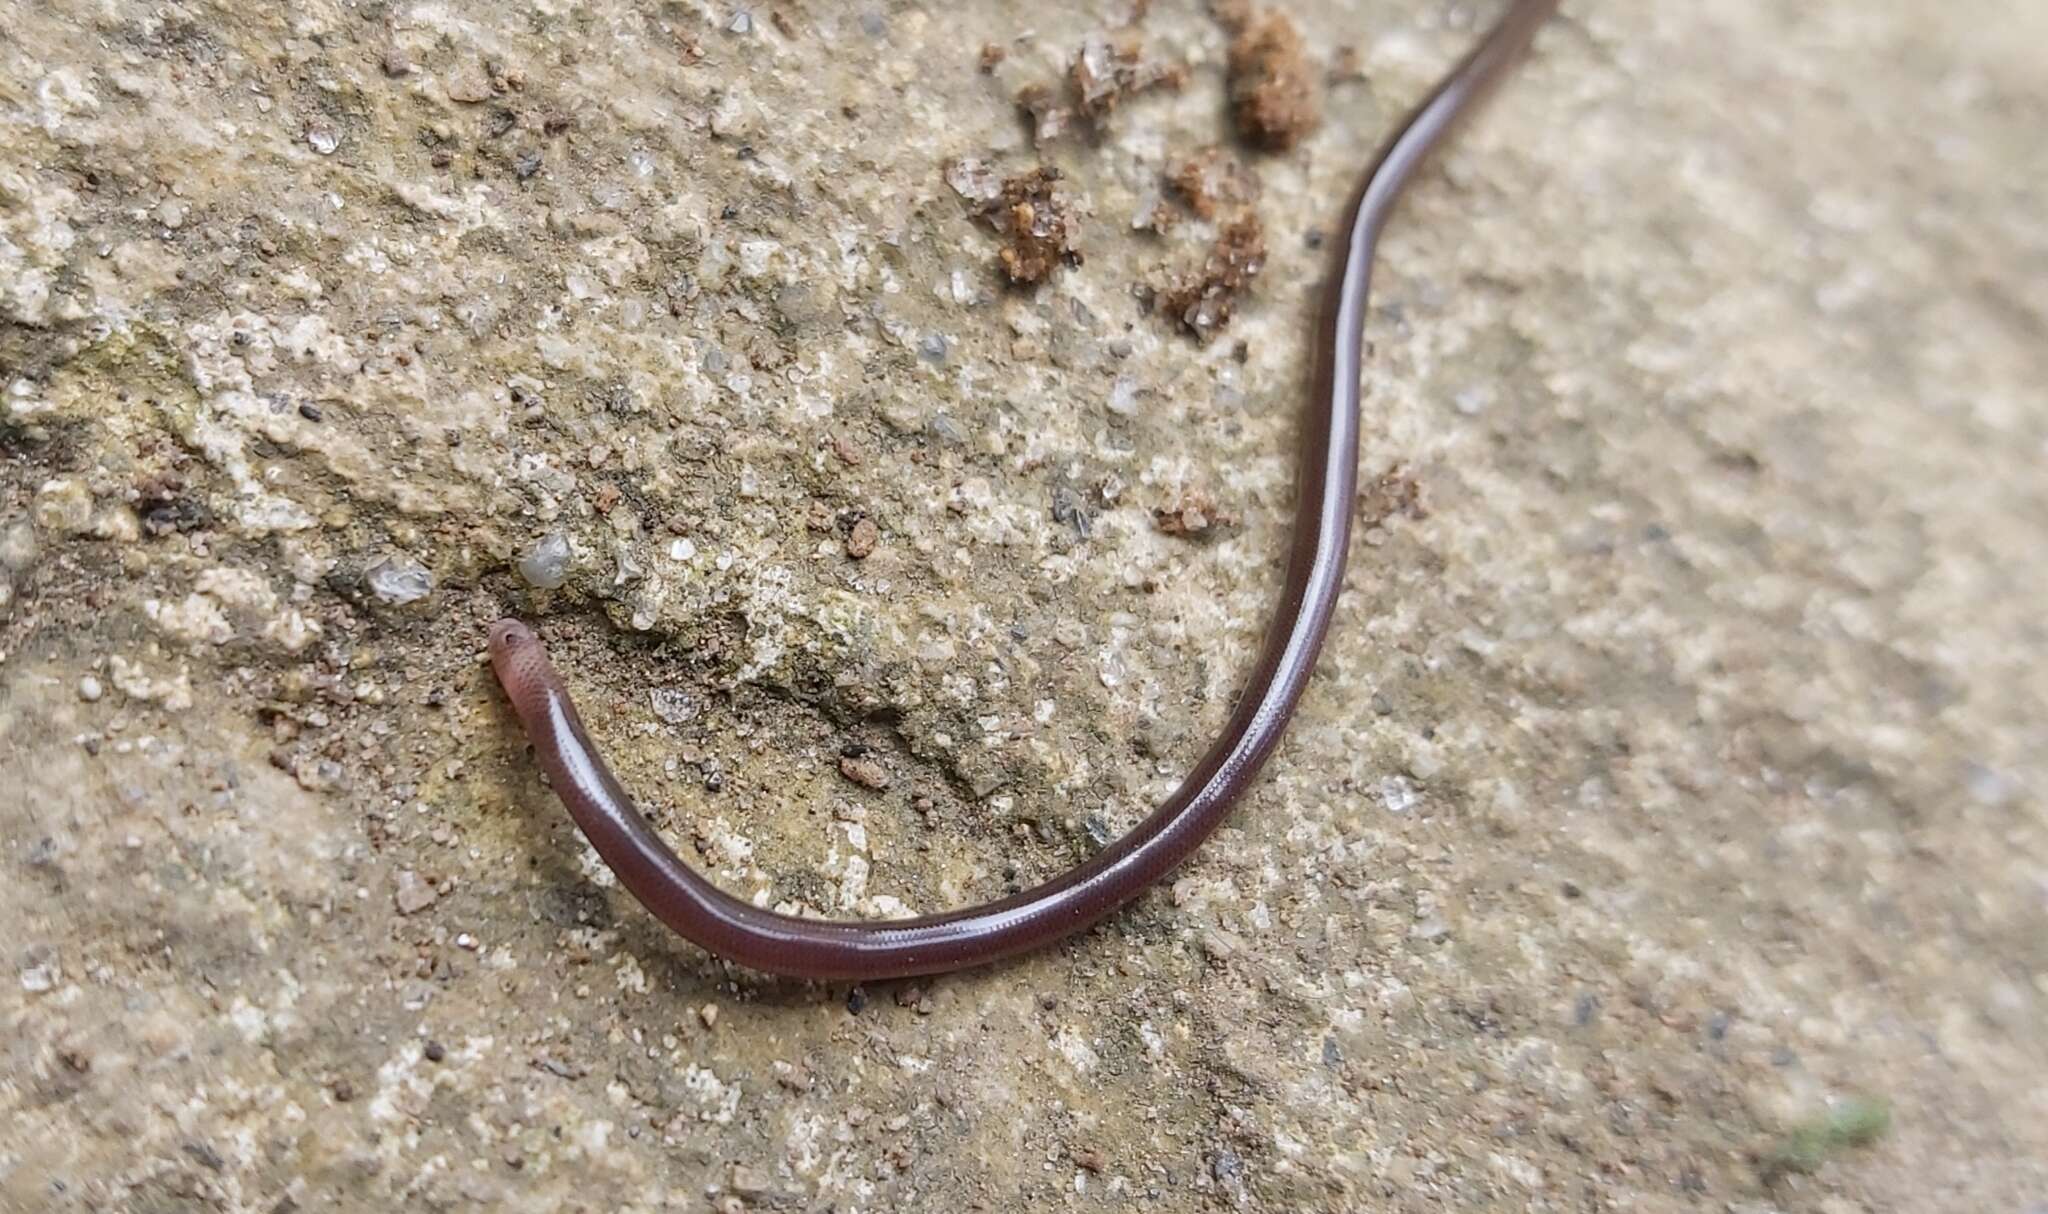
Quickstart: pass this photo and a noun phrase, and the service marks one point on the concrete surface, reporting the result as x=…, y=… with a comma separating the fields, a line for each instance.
x=1670, y=793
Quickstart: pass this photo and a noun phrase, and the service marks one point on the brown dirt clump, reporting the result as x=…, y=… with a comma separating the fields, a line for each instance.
x=1041, y=226
x=1050, y=115
x=1393, y=492
x=1272, y=85
x=1194, y=515
x=1210, y=180
x=1102, y=75
x=1203, y=303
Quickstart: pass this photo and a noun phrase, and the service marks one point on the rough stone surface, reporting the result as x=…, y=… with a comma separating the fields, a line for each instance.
x=1674, y=778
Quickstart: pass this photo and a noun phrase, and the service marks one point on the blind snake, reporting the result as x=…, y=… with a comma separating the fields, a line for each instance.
x=762, y=939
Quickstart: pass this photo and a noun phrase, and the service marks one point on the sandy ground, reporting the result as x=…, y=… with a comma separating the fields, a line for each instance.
x=1664, y=829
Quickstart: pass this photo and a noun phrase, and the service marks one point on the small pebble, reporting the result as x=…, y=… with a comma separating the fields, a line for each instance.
x=39, y=976
x=396, y=64
x=546, y=565
x=322, y=140
x=317, y=775
x=673, y=705
x=467, y=85
x=709, y=1015
x=865, y=772
x=171, y=213
x=412, y=895
x=862, y=541
x=398, y=579
x=89, y=689
x=435, y=1051
x=1398, y=795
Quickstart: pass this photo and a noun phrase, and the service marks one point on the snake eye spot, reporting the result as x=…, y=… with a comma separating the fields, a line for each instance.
x=510, y=634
